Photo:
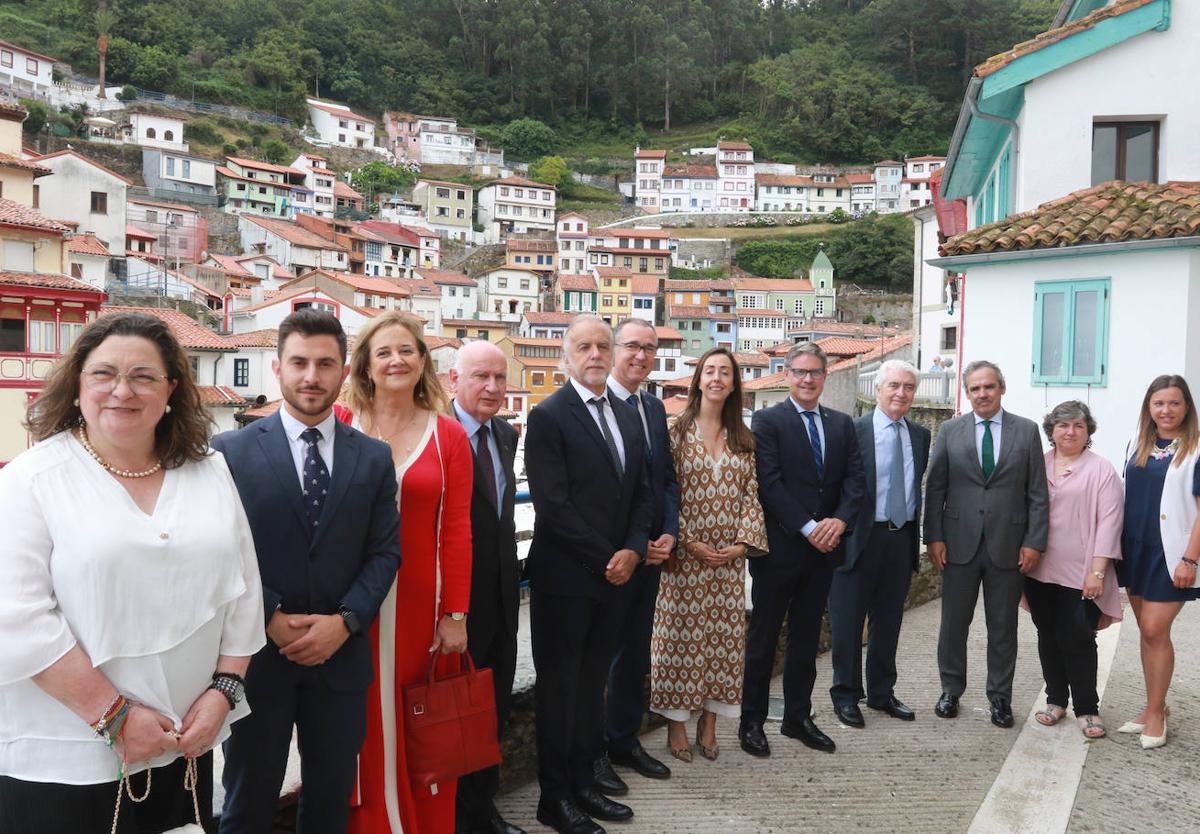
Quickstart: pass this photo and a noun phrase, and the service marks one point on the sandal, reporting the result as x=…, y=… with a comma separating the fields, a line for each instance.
x=707, y=752
x=684, y=753
x=1049, y=716
x=1091, y=726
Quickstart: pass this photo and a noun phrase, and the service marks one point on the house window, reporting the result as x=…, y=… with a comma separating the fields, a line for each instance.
x=18, y=255
x=443, y=193
x=537, y=379
x=41, y=337
x=6, y=58
x=187, y=168
x=12, y=335
x=151, y=133
x=68, y=332
x=949, y=338
x=1124, y=151
x=241, y=372
x=99, y=202
x=170, y=166
x=1070, y=332
x=169, y=135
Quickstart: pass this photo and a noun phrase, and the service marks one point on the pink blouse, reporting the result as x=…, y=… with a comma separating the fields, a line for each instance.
x=1087, y=510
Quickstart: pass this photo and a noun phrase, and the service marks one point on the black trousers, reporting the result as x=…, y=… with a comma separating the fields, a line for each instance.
x=626, y=703
x=873, y=591
x=50, y=808
x=574, y=640
x=498, y=652
x=1066, y=625
x=795, y=588
x=330, y=727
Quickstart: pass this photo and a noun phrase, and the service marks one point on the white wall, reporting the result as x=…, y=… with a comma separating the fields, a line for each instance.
x=930, y=310
x=1142, y=342
x=67, y=195
x=1149, y=76
x=140, y=123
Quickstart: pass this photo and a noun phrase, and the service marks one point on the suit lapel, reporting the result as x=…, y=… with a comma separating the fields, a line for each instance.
x=273, y=441
x=583, y=413
x=867, y=436
x=345, y=460
x=1007, y=430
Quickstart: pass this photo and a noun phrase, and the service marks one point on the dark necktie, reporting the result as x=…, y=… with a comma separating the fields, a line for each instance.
x=315, y=483
x=608, y=435
x=483, y=454
x=897, y=497
x=636, y=402
x=988, y=456
x=814, y=437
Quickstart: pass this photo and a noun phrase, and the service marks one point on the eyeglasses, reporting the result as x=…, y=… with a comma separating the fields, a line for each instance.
x=801, y=373
x=638, y=347
x=104, y=380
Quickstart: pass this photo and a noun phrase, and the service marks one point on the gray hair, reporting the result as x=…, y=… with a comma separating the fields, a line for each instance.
x=634, y=321
x=580, y=320
x=897, y=366
x=1066, y=412
x=811, y=348
x=979, y=365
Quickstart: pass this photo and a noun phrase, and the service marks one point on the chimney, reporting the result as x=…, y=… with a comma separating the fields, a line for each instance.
x=257, y=294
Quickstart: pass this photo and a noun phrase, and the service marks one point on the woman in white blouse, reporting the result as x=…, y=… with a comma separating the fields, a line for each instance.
x=131, y=600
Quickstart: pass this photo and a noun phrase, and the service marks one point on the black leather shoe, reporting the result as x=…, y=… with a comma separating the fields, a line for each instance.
x=565, y=817
x=496, y=824
x=754, y=740
x=607, y=780
x=483, y=822
x=894, y=707
x=807, y=733
x=641, y=761
x=595, y=804
x=850, y=715
x=1001, y=713
x=947, y=706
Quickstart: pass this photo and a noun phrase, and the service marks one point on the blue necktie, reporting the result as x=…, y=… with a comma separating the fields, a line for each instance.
x=897, y=497
x=814, y=437
x=315, y=483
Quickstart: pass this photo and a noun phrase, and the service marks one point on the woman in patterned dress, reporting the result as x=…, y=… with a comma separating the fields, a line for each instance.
x=698, y=647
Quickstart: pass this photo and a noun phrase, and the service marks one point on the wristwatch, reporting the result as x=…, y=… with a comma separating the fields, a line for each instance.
x=1099, y=574
x=232, y=686
x=351, y=621
x=457, y=616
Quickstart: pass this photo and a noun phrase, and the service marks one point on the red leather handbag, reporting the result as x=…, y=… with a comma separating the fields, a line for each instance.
x=450, y=725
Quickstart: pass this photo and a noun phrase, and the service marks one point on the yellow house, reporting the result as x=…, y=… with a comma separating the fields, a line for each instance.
x=535, y=365
x=490, y=331
x=616, y=293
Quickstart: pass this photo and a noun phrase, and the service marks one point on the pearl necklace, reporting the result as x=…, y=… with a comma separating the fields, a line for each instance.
x=121, y=473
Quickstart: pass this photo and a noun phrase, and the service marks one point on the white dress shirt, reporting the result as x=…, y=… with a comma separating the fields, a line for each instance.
x=997, y=419
x=609, y=415
x=152, y=598
x=885, y=449
x=816, y=410
x=624, y=393
x=294, y=428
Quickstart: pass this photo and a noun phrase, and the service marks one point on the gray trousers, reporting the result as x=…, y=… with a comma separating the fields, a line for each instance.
x=1001, y=597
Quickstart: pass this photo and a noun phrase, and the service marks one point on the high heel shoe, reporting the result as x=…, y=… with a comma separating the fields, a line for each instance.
x=1134, y=727
x=1151, y=742
x=684, y=754
x=709, y=753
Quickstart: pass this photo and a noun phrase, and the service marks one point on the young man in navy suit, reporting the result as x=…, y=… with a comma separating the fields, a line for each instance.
x=321, y=501
x=636, y=345
x=810, y=483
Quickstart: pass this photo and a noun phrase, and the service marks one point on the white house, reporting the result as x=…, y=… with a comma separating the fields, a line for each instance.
x=267, y=311
x=782, y=192
x=515, y=205
x=25, y=72
x=889, y=175
x=862, y=193
x=916, y=188
x=154, y=131
x=437, y=140
x=572, y=236
x=87, y=259
x=1082, y=212
x=294, y=247
x=647, y=183
x=85, y=193
x=319, y=180
x=735, y=169
x=689, y=188
x=459, y=292
x=506, y=293
x=249, y=372
x=175, y=171
x=829, y=192
x=550, y=325
x=338, y=125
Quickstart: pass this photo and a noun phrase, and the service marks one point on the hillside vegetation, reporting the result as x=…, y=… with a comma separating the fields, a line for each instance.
x=813, y=81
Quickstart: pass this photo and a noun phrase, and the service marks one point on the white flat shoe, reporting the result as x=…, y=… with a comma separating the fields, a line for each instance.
x=1133, y=727
x=1151, y=742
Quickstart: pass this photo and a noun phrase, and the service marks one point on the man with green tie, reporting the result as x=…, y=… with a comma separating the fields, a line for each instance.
x=986, y=522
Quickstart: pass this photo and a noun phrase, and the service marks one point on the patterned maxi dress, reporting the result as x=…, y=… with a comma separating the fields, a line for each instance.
x=698, y=648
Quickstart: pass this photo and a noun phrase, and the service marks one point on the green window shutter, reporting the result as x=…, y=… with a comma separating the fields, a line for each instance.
x=1070, y=337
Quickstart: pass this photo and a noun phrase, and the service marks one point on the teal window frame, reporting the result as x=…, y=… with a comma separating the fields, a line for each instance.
x=1070, y=289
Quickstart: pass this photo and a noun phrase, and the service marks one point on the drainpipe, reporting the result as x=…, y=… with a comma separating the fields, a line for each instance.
x=1014, y=132
x=962, y=323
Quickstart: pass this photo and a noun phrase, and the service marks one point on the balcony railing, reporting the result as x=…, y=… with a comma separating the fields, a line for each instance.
x=935, y=388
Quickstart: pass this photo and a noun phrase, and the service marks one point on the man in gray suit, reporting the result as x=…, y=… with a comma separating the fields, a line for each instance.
x=882, y=553
x=986, y=520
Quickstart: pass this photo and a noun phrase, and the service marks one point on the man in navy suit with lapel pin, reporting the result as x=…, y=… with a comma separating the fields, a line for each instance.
x=811, y=484
x=480, y=381
x=636, y=345
x=882, y=553
x=586, y=462
x=321, y=501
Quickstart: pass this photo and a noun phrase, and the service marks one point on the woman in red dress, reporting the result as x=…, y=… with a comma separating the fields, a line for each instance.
x=396, y=397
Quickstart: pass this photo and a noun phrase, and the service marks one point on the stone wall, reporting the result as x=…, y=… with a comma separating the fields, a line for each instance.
x=708, y=219
x=126, y=160
x=893, y=308
x=718, y=250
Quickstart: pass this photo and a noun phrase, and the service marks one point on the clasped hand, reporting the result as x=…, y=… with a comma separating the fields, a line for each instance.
x=827, y=535
x=621, y=566
x=716, y=557
x=307, y=639
x=659, y=550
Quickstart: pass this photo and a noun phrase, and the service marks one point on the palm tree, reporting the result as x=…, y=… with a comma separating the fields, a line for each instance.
x=105, y=19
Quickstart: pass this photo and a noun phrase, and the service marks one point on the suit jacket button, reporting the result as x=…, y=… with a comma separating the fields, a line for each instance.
x=981, y=512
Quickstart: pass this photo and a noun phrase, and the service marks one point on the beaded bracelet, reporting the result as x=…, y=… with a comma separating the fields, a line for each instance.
x=113, y=709
x=1192, y=562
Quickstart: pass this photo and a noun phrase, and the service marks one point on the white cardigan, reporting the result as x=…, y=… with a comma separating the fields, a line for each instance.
x=1177, y=508
x=153, y=599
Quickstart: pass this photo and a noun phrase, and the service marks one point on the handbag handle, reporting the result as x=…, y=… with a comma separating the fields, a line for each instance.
x=465, y=664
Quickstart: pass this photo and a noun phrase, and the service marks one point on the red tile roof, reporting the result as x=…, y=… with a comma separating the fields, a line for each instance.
x=520, y=181
x=282, y=295
x=675, y=405
x=230, y=265
x=753, y=283
x=792, y=180
x=268, y=337
x=734, y=146
x=846, y=346
x=881, y=349
x=362, y=283
x=29, y=52
x=12, y=111
x=859, y=179
x=688, y=311
x=634, y=233
x=87, y=244
x=646, y=153
x=187, y=331
x=550, y=318
x=340, y=189
x=7, y=160
x=82, y=158
x=45, y=279
x=445, y=276
x=296, y=235
x=262, y=166
x=767, y=382
x=13, y=213
x=667, y=333
x=576, y=283
x=340, y=110
x=159, y=204
x=693, y=171
x=890, y=162
x=997, y=62
x=1106, y=213
x=277, y=269
x=220, y=395
x=520, y=244
x=645, y=285
x=925, y=159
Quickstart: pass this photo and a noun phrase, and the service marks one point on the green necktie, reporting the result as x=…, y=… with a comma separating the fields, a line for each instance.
x=989, y=450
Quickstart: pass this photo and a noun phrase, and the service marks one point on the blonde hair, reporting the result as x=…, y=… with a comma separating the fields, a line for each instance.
x=428, y=392
x=1189, y=431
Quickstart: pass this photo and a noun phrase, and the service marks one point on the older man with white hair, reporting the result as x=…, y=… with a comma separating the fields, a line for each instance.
x=882, y=552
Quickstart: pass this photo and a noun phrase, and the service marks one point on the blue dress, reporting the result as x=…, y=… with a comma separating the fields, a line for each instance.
x=1142, y=569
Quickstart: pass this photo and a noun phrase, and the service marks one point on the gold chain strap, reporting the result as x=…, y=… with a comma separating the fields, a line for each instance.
x=124, y=786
